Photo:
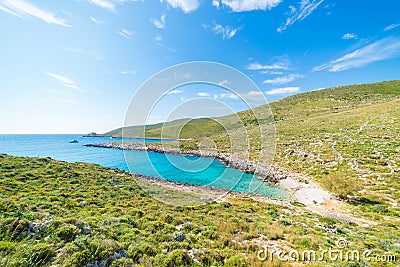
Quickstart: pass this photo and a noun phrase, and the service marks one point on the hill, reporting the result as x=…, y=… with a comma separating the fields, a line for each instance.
x=346, y=138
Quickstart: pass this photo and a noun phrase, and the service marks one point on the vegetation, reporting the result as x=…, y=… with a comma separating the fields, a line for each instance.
x=347, y=139
x=76, y=214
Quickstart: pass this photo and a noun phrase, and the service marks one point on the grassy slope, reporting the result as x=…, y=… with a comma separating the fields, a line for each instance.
x=326, y=101
x=90, y=219
x=347, y=138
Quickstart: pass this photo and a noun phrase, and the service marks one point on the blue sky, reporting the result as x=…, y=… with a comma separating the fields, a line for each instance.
x=73, y=66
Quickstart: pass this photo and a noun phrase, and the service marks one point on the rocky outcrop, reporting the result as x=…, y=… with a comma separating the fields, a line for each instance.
x=269, y=174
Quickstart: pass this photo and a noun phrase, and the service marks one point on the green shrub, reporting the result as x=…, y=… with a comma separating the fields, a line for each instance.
x=236, y=261
x=67, y=233
x=38, y=254
x=124, y=262
x=14, y=227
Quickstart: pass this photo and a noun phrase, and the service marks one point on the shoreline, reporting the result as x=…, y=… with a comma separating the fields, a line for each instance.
x=222, y=193
x=135, y=137
x=309, y=194
x=270, y=174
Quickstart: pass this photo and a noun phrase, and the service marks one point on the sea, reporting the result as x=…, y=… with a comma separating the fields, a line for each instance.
x=198, y=171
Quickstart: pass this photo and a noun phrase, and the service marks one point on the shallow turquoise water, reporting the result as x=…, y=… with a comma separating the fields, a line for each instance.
x=187, y=169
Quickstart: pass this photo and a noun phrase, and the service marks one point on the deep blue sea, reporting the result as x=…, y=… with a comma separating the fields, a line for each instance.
x=187, y=169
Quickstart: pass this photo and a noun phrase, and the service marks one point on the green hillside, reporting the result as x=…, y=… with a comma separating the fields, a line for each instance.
x=346, y=138
x=324, y=101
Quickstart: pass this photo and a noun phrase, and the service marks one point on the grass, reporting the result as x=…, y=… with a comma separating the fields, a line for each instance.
x=70, y=214
x=347, y=139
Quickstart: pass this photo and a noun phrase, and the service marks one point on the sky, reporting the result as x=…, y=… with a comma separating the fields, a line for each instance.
x=74, y=66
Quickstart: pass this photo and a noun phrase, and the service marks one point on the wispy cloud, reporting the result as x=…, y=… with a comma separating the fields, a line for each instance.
x=350, y=36
x=215, y=3
x=22, y=8
x=249, y=5
x=91, y=52
x=175, y=91
x=227, y=32
x=2, y=8
x=379, y=50
x=104, y=4
x=284, y=90
x=187, y=6
x=65, y=81
x=159, y=23
x=158, y=38
x=128, y=72
x=298, y=14
x=98, y=22
x=223, y=83
x=226, y=95
x=283, y=79
x=275, y=66
x=391, y=27
x=203, y=94
x=125, y=33
x=254, y=93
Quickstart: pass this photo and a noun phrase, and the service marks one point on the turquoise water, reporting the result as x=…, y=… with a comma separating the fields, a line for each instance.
x=186, y=169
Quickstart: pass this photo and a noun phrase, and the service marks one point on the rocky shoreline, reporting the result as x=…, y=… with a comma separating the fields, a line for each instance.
x=310, y=194
x=269, y=174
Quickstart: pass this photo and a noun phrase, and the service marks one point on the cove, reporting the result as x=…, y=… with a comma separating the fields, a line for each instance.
x=177, y=168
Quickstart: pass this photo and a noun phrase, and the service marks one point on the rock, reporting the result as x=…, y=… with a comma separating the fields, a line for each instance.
x=179, y=236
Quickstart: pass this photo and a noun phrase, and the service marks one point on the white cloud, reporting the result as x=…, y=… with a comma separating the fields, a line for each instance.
x=250, y=5
x=132, y=72
x=223, y=83
x=391, y=27
x=65, y=81
x=227, y=32
x=98, y=22
x=10, y=12
x=203, y=94
x=125, y=33
x=284, y=90
x=349, y=36
x=215, y=3
x=254, y=93
x=22, y=8
x=158, y=38
x=187, y=6
x=227, y=95
x=380, y=50
x=159, y=23
x=104, y=4
x=295, y=15
x=174, y=92
x=275, y=66
x=272, y=72
x=283, y=79
x=96, y=55
x=93, y=53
